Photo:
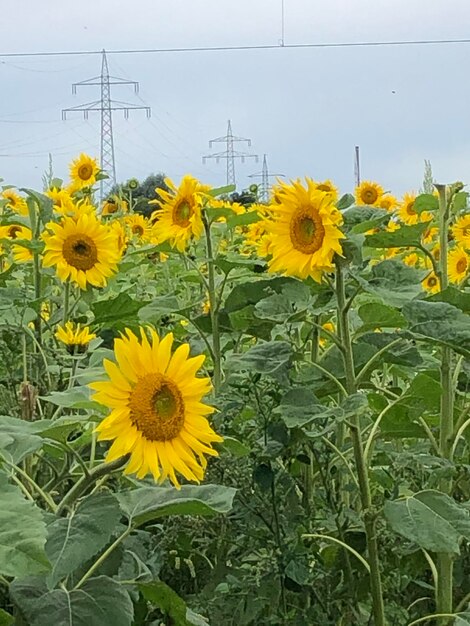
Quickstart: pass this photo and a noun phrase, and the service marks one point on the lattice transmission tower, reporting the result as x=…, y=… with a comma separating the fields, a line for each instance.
x=230, y=154
x=265, y=187
x=106, y=106
x=357, y=167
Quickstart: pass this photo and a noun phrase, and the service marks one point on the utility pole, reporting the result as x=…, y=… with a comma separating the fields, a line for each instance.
x=229, y=154
x=357, y=170
x=265, y=176
x=106, y=106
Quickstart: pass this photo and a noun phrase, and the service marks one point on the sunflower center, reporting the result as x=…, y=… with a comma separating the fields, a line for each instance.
x=156, y=407
x=369, y=195
x=306, y=231
x=462, y=265
x=466, y=231
x=13, y=231
x=137, y=229
x=325, y=188
x=80, y=251
x=85, y=171
x=182, y=213
x=410, y=208
x=432, y=282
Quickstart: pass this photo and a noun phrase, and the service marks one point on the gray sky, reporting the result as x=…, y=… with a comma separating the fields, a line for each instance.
x=305, y=108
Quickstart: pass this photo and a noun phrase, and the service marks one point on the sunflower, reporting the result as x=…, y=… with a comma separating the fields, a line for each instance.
x=66, y=205
x=82, y=249
x=327, y=186
x=113, y=205
x=461, y=230
x=431, y=283
x=304, y=231
x=74, y=336
x=15, y=202
x=329, y=327
x=407, y=212
x=413, y=260
x=21, y=253
x=387, y=202
x=83, y=171
x=179, y=216
x=458, y=264
x=120, y=233
x=368, y=193
x=430, y=234
x=258, y=237
x=140, y=228
x=157, y=414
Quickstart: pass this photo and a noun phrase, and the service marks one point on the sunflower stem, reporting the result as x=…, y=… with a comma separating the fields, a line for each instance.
x=358, y=448
x=445, y=563
x=66, y=302
x=88, y=479
x=214, y=310
x=34, y=218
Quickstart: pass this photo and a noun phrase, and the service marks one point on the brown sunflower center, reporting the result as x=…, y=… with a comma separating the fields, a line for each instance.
x=182, y=213
x=410, y=208
x=369, y=195
x=466, y=231
x=462, y=265
x=80, y=251
x=323, y=187
x=85, y=171
x=137, y=229
x=306, y=231
x=13, y=231
x=156, y=407
x=432, y=281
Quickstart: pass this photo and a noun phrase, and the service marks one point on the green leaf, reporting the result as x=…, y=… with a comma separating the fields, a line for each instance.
x=439, y=322
x=402, y=353
x=75, y=398
x=401, y=238
x=376, y=315
x=299, y=407
x=250, y=217
x=116, y=310
x=453, y=296
x=19, y=438
x=355, y=216
x=5, y=618
x=252, y=292
x=345, y=202
x=221, y=191
x=74, y=540
x=22, y=533
x=463, y=619
x=394, y=282
x=431, y=519
x=160, y=306
x=159, y=594
x=235, y=447
x=426, y=202
x=146, y=504
x=270, y=358
x=100, y=601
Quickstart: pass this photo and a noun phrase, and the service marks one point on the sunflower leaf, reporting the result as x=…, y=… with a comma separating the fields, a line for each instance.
x=401, y=238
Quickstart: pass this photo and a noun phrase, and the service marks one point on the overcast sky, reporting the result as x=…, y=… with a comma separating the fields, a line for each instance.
x=305, y=108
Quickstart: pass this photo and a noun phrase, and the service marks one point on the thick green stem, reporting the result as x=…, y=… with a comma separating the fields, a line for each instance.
x=65, y=315
x=444, y=596
x=358, y=448
x=214, y=309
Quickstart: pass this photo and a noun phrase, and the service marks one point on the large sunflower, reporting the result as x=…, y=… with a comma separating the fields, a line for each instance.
x=83, y=171
x=157, y=414
x=368, y=193
x=304, y=231
x=179, y=216
x=461, y=230
x=458, y=263
x=82, y=250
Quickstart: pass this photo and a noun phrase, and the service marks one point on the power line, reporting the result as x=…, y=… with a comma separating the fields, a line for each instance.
x=335, y=44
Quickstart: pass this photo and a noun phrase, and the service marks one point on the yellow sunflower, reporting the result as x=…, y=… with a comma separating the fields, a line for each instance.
x=304, y=232
x=179, y=216
x=140, y=228
x=157, y=414
x=369, y=193
x=74, y=336
x=113, y=205
x=387, y=202
x=22, y=254
x=413, y=259
x=121, y=235
x=461, y=230
x=431, y=283
x=258, y=237
x=407, y=212
x=457, y=264
x=15, y=202
x=83, y=171
x=83, y=250
x=430, y=234
x=327, y=186
x=324, y=338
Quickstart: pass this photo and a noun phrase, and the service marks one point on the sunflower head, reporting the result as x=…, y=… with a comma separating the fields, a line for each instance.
x=406, y=211
x=431, y=283
x=388, y=202
x=412, y=259
x=304, y=231
x=461, y=230
x=83, y=171
x=83, y=250
x=75, y=337
x=157, y=410
x=179, y=218
x=368, y=193
x=458, y=264
x=15, y=202
x=327, y=186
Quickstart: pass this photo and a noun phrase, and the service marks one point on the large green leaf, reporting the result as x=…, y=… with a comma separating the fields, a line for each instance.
x=375, y=315
x=75, y=398
x=19, y=438
x=299, y=407
x=5, y=618
x=361, y=218
x=440, y=322
x=22, y=533
x=394, y=282
x=426, y=202
x=453, y=296
x=431, y=519
x=402, y=238
x=401, y=351
x=146, y=504
x=159, y=594
x=116, y=310
x=286, y=306
x=74, y=540
x=100, y=601
x=270, y=358
x=252, y=292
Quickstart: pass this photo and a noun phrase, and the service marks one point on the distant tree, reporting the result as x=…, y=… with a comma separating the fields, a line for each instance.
x=428, y=181
x=142, y=192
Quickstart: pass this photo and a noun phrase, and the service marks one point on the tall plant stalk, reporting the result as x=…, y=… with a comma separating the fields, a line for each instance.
x=359, y=458
x=214, y=306
x=445, y=561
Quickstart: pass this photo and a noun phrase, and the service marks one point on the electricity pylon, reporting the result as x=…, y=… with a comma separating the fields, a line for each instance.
x=357, y=167
x=265, y=176
x=230, y=154
x=106, y=106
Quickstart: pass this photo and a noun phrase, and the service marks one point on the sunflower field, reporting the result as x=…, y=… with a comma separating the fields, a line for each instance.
x=234, y=414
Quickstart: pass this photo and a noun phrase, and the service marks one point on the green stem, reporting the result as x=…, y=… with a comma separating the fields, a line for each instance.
x=25, y=357
x=88, y=479
x=214, y=311
x=444, y=600
x=66, y=302
x=358, y=449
